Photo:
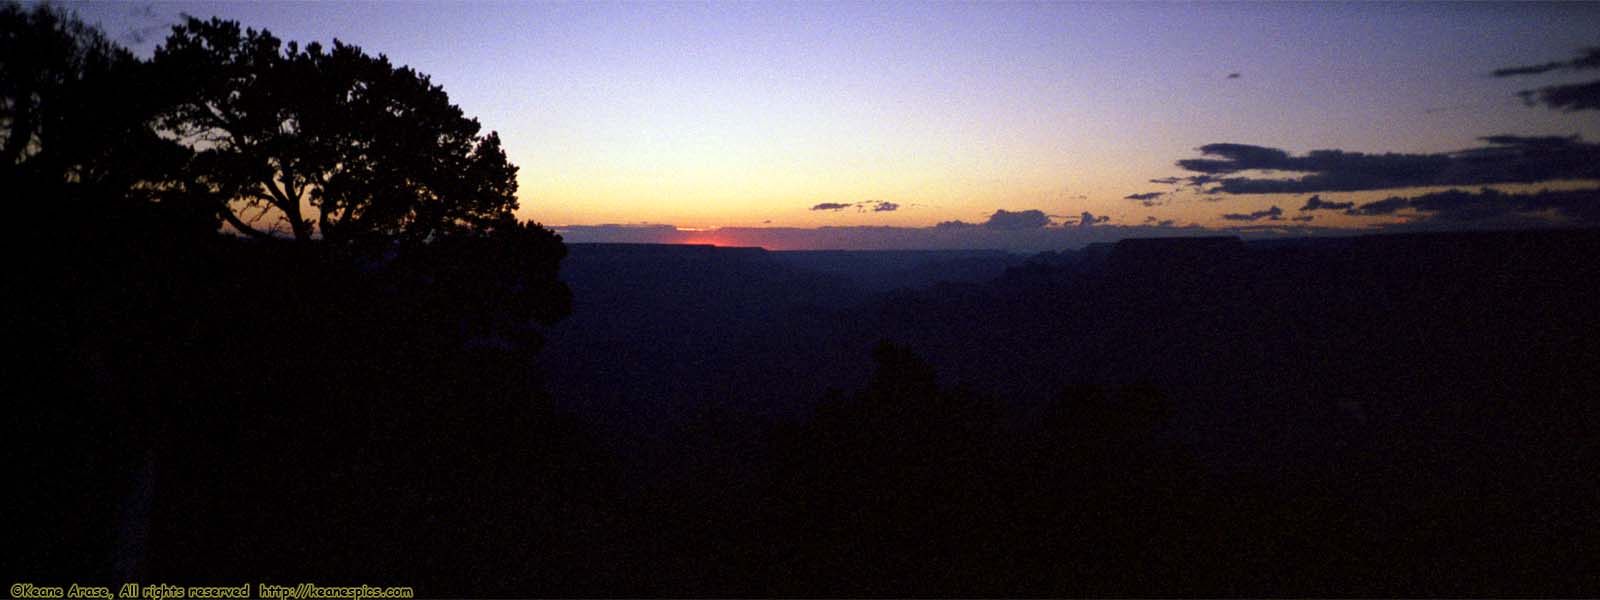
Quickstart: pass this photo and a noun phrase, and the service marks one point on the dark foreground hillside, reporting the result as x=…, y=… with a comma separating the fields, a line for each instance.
x=1378, y=415
x=1388, y=415
x=659, y=333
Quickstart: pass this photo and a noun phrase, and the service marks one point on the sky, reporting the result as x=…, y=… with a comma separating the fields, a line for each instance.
x=711, y=121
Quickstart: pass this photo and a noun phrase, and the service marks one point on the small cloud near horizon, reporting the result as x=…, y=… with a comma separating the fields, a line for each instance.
x=1005, y=220
x=1148, y=199
x=863, y=206
x=1159, y=222
x=1088, y=219
x=1271, y=214
x=831, y=206
x=1315, y=202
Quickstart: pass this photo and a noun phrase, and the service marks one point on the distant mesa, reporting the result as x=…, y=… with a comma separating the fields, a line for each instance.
x=1179, y=245
x=1151, y=255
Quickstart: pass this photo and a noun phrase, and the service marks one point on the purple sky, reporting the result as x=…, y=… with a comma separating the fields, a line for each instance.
x=747, y=115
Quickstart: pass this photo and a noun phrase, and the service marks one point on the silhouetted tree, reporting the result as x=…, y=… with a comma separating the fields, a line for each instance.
x=75, y=114
x=419, y=348
x=492, y=287
x=283, y=131
x=90, y=189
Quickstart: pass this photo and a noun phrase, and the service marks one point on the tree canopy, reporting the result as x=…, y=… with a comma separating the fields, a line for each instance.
x=328, y=141
x=74, y=113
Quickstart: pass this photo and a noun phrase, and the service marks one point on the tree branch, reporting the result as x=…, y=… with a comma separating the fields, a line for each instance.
x=290, y=208
x=233, y=220
x=17, y=140
x=324, y=220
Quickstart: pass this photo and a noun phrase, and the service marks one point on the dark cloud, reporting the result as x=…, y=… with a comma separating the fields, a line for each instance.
x=863, y=206
x=1507, y=159
x=1147, y=198
x=1304, y=218
x=1167, y=180
x=1199, y=183
x=1158, y=222
x=1317, y=203
x=1234, y=76
x=1005, y=220
x=1531, y=141
x=1271, y=214
x=1588, y=58
x=1567, y=97
x=1239, y=157
x=1386, y=206
x=955, y=225
x=1488, y=205
x=1577, y=96
x=1087, y=219
x=1528, y=70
